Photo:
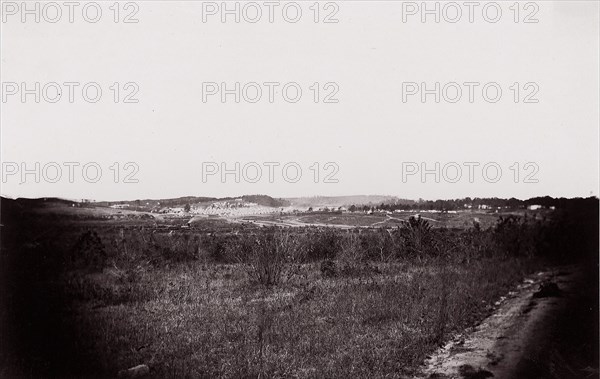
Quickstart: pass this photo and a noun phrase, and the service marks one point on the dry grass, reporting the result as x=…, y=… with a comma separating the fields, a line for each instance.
x=198, y=321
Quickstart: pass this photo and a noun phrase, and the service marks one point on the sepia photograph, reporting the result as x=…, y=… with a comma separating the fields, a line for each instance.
x=238, y=189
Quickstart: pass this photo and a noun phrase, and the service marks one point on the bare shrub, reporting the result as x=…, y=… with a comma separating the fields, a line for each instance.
x=474, y=243
x=352, y=258
x=270, y=258
x=350, y=249
x=380, y=245
x=178, y=247
x=214, y=247
x=322, y=244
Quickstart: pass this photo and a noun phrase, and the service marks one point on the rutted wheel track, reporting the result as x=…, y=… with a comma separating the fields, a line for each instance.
x=500, y=346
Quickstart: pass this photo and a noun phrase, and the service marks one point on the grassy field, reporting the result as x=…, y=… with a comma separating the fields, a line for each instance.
x=90, y=296
x=459, y=220
x=190, y=321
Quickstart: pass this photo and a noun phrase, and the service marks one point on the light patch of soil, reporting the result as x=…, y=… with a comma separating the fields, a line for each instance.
x=496, y=347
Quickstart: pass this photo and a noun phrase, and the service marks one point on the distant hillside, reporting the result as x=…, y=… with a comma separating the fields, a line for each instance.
x=266, y=201
x=10, y=208
x=176, y=202
x=338, y=201
x=21, y=203
x=263, y=200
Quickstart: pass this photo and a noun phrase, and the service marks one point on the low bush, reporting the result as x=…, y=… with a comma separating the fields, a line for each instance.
x=270, y=258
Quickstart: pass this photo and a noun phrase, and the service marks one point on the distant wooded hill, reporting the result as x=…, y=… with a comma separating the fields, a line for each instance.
x=263, y=200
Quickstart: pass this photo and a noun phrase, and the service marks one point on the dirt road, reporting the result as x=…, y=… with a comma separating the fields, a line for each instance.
x=537, y=331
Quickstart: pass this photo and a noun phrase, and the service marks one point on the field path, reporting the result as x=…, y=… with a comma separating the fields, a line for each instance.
x=506, y=344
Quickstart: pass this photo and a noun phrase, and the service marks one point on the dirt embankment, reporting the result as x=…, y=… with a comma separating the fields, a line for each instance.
x=546, y=328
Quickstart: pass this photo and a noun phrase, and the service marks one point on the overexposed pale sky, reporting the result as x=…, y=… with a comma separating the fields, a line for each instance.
x=369, y=135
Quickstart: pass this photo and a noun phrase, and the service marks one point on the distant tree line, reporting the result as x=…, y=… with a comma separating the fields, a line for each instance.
x=467, y=202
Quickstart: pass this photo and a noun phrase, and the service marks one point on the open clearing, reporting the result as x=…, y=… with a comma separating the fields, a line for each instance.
x=229, y=298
